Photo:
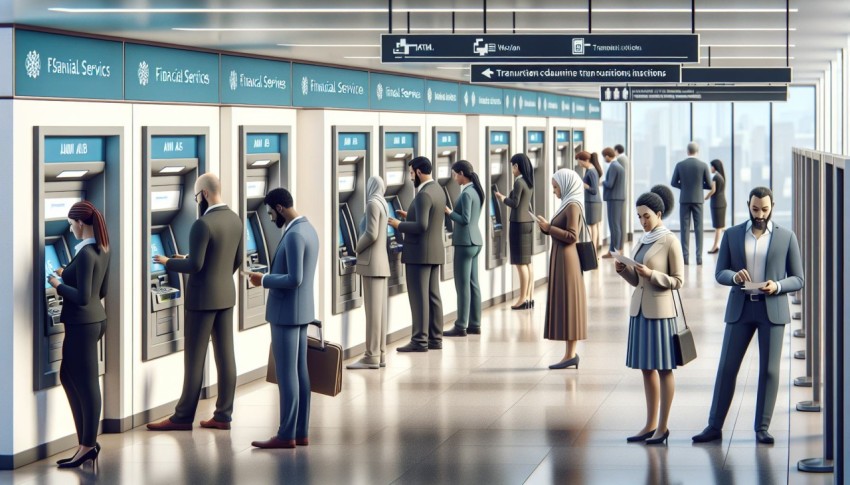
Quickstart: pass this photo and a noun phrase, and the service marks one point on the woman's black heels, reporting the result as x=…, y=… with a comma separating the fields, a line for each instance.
x=659, y=440
x=66, y=460
x=89, y=455
x=523, y=306
x=566, y=363
x=640, y=437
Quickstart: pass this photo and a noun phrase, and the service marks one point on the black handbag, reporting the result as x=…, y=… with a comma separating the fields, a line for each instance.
x=586, y=250
x=684, y=347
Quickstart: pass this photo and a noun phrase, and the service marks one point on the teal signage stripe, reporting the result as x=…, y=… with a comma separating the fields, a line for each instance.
x=549, y=105
x=580, y=108
x=61, y=66
x=535, y=137
x=399, y=140
x=397, y=93
x=352, y=141
x=566, y=103
x=255, y=81
x=447, y=139
x=594, y=109
x=329, y=87
x=442, y=97
x=520, y=103
x=481, y=100
x=64, y=149
x=263, y=143
x=170, y=147
x=161, y=74
x=500, y=137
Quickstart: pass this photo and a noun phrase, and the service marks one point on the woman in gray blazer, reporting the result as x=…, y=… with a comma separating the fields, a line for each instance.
x=373, y=266
x=521, y=229
x=659, y=272
x=82, y=288
x=467, y=242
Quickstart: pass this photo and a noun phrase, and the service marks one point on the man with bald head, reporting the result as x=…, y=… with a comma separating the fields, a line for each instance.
x=215, y=253
x=691, y=176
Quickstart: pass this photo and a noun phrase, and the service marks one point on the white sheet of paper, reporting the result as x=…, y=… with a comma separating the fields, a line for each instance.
x=623, y=259
x=750, y=285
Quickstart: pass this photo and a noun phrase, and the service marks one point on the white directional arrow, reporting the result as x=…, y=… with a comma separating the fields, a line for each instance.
x=488, y=73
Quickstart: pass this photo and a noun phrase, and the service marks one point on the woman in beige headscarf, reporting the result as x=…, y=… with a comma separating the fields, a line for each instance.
x=566, y=307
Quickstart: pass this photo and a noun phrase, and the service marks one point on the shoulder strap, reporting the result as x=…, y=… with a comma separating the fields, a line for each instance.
x=682, y=306
x=584, y=230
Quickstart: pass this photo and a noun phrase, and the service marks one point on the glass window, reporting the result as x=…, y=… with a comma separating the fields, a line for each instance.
x=752, y=154
x=660, y=135
x=793, y=126
x=613, y=126
x=713, y=132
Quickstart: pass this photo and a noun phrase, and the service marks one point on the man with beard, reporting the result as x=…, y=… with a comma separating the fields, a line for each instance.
x=423, y=254
x=215, y=253
x=757, y=251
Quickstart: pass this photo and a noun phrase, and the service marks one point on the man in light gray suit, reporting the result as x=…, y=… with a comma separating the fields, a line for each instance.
x=691, y=176
x=623, y=159
x=373, y=265
x=757, y=251
x=615, y=196
x=289, y=310
x=215, y=253
x=423, y=254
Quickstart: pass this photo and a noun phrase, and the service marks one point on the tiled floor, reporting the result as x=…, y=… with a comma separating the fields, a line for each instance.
x=486, y=410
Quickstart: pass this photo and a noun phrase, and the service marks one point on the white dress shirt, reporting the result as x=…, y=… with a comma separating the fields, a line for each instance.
x=755, y=250
x=422, y=185
x=213, y=207
x=84, y=243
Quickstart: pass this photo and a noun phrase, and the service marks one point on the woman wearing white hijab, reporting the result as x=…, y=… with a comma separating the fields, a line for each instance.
x=566, y=307
x=373, y=266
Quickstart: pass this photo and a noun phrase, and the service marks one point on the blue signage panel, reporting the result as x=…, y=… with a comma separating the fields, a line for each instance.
x=562, y=136
x=693, y=93
x=500, y=137
x=162, y=74
x=480, y=100
x=397, y=93
x=762, y=75
x=60, y=66
x=565, y=107
x=535, y=137
x=441, y=97
x=520, y=103
x=255, y=81
x=447, y=139
x=580, y=48
x=63, y=149
x=352, y=141
x=329, y=87
x=579, y=108
x=594, y=109
x=549, y=104
x=579, y=73
x=399, y=140
x=170, y=147
x=263, y=143
x=578, y=136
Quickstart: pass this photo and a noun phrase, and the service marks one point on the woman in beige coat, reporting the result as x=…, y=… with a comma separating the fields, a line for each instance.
x=660, y=271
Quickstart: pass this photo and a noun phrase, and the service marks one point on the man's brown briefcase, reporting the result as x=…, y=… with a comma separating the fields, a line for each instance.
x=324, y=363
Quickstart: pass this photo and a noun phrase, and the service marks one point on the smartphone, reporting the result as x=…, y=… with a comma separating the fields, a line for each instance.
x=494, y=188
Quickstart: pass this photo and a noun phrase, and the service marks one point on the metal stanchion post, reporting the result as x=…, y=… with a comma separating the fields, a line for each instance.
x=808, y=214
x=814, y=283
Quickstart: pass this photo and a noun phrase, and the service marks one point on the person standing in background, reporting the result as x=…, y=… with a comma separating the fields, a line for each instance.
x=467, y=242
x=521, y=229
x=614, y=184
x=592, y=198
x=624, y=161
x=718, y=203
x=373, y=266
x=691, y=176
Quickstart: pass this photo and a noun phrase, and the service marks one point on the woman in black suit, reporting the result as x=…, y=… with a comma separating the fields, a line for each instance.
x=82, y=288
x=521, y=229
x=718, y=203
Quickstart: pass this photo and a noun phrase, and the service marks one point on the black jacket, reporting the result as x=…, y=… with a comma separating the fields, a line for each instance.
x=84, y=284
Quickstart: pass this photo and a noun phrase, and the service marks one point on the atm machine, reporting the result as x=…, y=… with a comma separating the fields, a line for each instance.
x=535, y=149
x=564, y=157
x=263, y=166
x=446, y=152
x=578, y=145
x=350, y=157
x=498, y=175
x=398, y=146
x=68, y=168
x=172, y=161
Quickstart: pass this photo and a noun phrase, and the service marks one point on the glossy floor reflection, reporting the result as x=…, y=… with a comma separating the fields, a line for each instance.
x=483, y=410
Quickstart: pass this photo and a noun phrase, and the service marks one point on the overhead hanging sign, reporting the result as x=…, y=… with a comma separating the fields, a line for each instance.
x=693, y=93
x=525, y=48
x=255, y=81
x=162, y=74
x=397, y=93
x=761, y=75
x=565, y=73
x=329, y=87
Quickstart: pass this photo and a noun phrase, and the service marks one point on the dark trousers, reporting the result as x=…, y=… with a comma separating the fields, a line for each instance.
x=736, y=339
x=426, y=306
x=289, y=345
x=686, y=213
x=200, y=326
x=466, y=285
x=615, y=224
x=78, y=375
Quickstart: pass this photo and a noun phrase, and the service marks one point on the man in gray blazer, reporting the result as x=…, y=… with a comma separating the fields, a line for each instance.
x=757, y=251
x=215, y=253
x=289, y=310
x=615, y=196
x=373, y=266
x=691, y=176
x=423, y=254
x=623, y=159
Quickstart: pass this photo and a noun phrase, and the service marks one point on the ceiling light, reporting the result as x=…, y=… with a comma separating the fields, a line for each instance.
x=173, y=169
x=409, y=10
x=453, y=68
x=749, y=57
x=361, y=57
x=478, y=30
x=71, y=174
x=749, y=45
x=329, y=45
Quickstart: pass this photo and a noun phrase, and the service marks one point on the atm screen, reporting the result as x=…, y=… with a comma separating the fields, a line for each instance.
x=395, y=178
x=250, y=241
x=165, y=200
x=393, y=215
x=341, y=236
x=346, y=183
x=492, y=207
x=157, y=249
x=51, y=262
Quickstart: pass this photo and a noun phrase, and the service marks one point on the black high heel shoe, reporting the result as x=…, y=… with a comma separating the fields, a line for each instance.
x=659, y=440
x=640, y=437
x=566, y=363
x=66, y=460
x=522, y=306
x=89, y=455
x=532, y=303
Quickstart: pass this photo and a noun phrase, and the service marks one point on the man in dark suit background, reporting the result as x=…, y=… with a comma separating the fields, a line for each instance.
x=756, y=251
x=423, y=254
x=615, y=197
x=215, y=253
x=691, y=176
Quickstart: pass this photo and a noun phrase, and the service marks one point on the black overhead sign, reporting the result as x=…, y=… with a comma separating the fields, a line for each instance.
x=693, y=93
x=581, y=73
x=530, y=48
x=760, y=75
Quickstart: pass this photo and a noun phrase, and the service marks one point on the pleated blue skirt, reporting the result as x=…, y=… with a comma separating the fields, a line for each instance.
x=651, y=343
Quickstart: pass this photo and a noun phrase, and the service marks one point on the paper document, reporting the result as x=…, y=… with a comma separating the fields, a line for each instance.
x=750, y=285
x=623, y=259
